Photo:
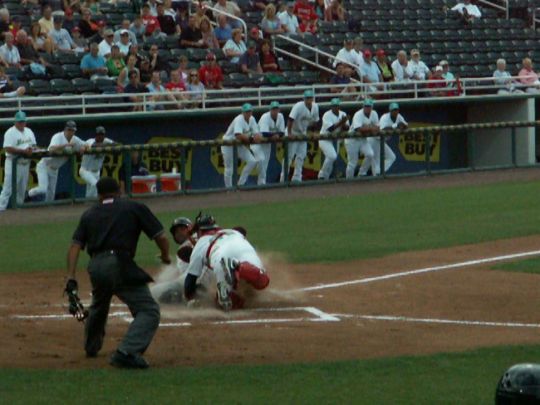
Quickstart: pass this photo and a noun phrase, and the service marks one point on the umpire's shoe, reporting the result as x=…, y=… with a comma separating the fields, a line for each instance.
x=120, y=359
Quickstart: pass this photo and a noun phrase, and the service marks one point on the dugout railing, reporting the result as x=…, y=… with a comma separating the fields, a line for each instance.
x=425, y=133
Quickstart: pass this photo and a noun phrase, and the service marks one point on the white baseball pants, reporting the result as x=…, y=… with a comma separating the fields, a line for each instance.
x=246, y=155
x=330, y=155
x=354, y=147
x=90, y=178
x=23, y=169
x=298, y=152
x=389, y=156
x=263, y=151
x=47, y=178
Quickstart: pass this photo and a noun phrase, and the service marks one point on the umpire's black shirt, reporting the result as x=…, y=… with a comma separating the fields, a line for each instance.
x=116, y=224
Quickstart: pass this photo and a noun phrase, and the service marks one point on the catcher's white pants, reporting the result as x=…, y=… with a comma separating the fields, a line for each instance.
x=298, y=152
x=330, y=155
x=246, y=155
x=90, y=178
x=354, y=147
x=389, y=156
x=23, y=169
x=47, y=178
x=263, y=151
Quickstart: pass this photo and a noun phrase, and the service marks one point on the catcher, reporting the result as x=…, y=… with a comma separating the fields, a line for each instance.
x=228, y=254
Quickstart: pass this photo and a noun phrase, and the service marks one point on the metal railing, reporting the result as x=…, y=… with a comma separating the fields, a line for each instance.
x=502, y=5
x=426, y=133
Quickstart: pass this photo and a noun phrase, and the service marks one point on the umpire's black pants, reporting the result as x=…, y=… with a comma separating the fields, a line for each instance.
x=106, y=277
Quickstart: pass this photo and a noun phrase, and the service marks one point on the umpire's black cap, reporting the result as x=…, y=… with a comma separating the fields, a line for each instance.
x=107, y=186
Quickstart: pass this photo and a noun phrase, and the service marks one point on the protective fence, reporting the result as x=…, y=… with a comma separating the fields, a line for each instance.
x=175, y=178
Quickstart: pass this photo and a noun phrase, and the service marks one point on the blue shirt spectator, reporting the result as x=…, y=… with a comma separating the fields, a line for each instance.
x=92, y=63
x=223, y=31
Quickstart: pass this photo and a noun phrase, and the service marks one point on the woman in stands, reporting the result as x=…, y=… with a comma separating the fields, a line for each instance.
x=269, y=62
x=208, y=35
x=40, y=41
x=335, y=12
x=88, y=27
x=234, y=48
x=271, y=24
x=195, y=88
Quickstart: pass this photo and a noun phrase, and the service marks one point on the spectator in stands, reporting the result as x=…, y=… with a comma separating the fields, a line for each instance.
x=319, y=8
x=436, y=83
x=235, y=47
x=88, y=27
x=126, y=26
x=46, y=22
x=60, y=37
x=250, y=61
x=504, y=79
x=105, y=45
x=81, y=43
x=269, y=60
x=288, y=19
x=93, y=64
x=150, y=21
x=9, y=54
x=208, y=35
x=177, y=86
x=6, y=86
x=335, y=12
x=223, y=32
x=152, y=5
x=306, y=15
x=157, y=62
x=93, y=6
x=191, y=37
x=183, y=67
x=74, y=5
x=124, y=43
x=255, y=36
x=384, y=67
x=133, y=87
x=30, y=58
x=182, y=18
x=358, y=51
x=195, y=88
x=416, y=69
x=167, y=21
x=527, y=77
x=155, y=87
x=115, y=63
x=399, y=67
x=15, y=25
x=69, y=22
x=467, y=11
x=131, y=66
x=342, y=78
x=41, y=42
x=134, y=50
x=271, y=24
x=4, y=20
x=371, y=73
x=348, y=57
x=449, y=77
x=210, y=74
x=137, y=28
x=229, y=7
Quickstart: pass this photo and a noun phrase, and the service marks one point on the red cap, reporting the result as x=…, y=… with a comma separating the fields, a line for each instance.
x=68, y=11
x=75, y=29
x=367, y=53
x=210, y=56
x=101, y=23
x=255, y=30
x=380, y=52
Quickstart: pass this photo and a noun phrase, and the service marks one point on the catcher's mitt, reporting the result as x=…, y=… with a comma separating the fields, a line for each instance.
x=76, y=307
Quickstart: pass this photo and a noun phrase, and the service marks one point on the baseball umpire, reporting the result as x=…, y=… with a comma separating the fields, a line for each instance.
x=109, y=231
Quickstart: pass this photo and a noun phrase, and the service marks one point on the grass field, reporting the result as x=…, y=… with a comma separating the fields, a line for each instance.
x=324, y=230
x=523, y=266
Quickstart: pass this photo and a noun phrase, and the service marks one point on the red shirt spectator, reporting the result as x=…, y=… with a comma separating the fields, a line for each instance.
x=269, y=62
x=179, y=85
x=436, y=82
x=149, y=21
x=210, y=74
x=307, y=16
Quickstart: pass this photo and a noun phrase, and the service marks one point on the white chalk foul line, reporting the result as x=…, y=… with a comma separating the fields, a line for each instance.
x=64, y=316
x=440, y=321
x=420, y=271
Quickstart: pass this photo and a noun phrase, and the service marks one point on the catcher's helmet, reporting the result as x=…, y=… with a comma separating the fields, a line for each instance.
x=180, y=221
x=519, y=385
x=205, y=222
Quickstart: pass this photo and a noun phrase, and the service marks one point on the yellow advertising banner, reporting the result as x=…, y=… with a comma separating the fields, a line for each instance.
x=413, y=146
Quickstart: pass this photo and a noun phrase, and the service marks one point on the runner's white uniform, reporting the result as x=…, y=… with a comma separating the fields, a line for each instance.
x=240, y=126
x=303, y=118
x=330, y=149
x=47, y=168
x=389, y=156
x=13, y=138
x=267, y=124
x=356, y=145
x=91, y=168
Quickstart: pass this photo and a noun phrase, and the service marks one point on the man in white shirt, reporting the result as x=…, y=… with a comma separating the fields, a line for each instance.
x=399, y=67
x=47, y=168
x=271, y=126
x=334, y=121
x=9, y=52
x=124, y=43
x=229, y=7
x=358, y=52
x=365, y=122
x=416, y=69
x=60, y=36
x=18, y=140
x=127, y=26
x=469, y=12
x=105, y=45
x=289, y=20
x=371, y=73
x=348, y=56
x=390, y=121
x=303, y=115
x=91, y=164
x=244, y=128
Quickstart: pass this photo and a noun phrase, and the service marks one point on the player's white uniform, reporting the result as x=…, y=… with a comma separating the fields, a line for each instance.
x=252, y=158
x=330, y=149
x=389, y=156
x=357, y=145
x=13, y=138
x=47, y=168
x=91, y=168
x=267, y=124
x=303, y=118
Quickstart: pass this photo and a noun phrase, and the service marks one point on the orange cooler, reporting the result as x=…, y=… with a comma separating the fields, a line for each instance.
x=143, y=184
x=170, y=182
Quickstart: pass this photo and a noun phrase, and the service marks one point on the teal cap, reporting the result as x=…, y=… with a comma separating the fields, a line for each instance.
x=308, y=94
x=369, y=102
x=20, y=116
x=274, y=104
x=335, y=101
x=247, y=107
x=393, y=106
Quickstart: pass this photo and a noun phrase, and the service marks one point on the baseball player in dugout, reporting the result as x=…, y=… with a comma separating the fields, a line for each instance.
x=109, y=231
